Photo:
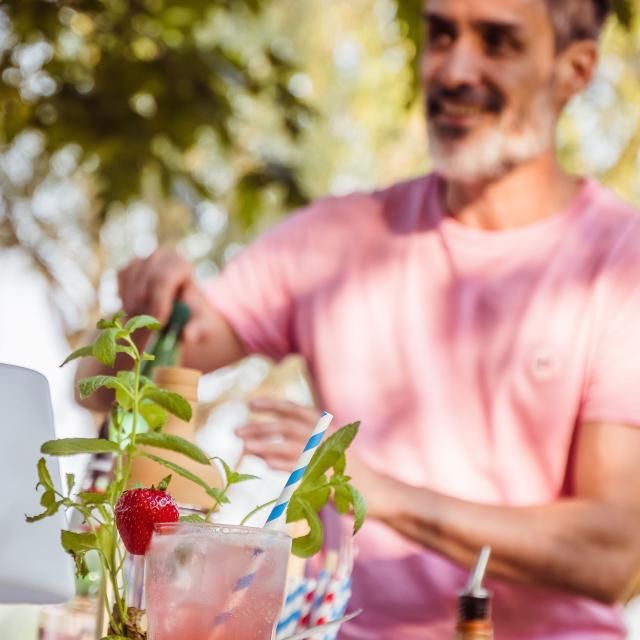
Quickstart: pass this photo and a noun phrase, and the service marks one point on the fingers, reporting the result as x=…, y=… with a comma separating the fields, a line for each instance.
x=166, y=278
x=151, y=285
x=280, y=440
x=286, y=409
x=200, y=325
x=283, y=430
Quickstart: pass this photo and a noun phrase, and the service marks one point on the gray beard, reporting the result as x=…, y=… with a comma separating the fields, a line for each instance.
x=497, y=151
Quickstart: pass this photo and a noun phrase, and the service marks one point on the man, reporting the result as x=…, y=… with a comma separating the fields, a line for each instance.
x=483, y=323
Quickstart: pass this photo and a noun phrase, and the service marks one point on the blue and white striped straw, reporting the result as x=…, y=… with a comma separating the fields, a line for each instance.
x=278, y=515
x=276, y=520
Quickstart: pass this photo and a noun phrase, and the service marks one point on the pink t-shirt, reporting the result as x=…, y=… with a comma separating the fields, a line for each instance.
x=469, y=356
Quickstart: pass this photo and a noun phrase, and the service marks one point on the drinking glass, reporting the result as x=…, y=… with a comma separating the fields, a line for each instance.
x=215, y=582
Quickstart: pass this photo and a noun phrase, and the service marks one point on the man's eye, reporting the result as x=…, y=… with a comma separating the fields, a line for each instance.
x=499, y=42
x=439, y=37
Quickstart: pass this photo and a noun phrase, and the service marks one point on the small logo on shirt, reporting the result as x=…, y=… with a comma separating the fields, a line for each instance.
x=544, y=365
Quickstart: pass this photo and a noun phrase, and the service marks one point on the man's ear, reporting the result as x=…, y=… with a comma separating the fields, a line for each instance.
x=576, y=66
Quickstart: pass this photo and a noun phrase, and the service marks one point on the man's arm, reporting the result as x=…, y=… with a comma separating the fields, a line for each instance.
x=150, y=286
x=588, y=544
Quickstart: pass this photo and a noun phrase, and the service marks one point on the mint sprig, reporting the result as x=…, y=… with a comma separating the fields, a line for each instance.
x=324, y=481
x=318, y=487
x=138, y=403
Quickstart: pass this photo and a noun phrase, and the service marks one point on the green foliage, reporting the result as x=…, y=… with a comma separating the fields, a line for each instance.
x=137, y=398
x=173, y=443
x=137, y=85
x=626, y=11
x=75, y=446
x=317, y=488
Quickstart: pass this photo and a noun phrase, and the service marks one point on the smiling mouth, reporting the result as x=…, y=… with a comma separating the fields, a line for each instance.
x=461, y=107
x=459, y=110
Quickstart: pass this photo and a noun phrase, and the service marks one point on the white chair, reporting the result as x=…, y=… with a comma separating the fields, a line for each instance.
x=34, y=569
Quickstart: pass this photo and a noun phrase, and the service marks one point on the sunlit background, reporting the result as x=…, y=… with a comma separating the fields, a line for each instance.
x=198, y=125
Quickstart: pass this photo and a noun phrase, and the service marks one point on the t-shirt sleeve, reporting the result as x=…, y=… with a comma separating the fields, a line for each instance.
x=612, y=392
x=255, y=291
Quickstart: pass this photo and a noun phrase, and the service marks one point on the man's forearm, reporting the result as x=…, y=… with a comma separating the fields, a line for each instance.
x=582, y=546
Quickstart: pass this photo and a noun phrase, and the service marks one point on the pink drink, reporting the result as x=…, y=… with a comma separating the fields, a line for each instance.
x=192, y=571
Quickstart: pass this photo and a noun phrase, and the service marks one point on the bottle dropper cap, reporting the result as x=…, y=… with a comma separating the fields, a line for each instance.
x=474, y=603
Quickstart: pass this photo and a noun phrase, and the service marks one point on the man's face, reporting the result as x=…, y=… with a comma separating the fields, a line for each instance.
x=489, y=69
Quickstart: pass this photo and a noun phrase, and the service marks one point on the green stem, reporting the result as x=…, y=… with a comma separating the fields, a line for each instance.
x=256, y=510
x=106, y=571
x=216, y=505
x=131, y=447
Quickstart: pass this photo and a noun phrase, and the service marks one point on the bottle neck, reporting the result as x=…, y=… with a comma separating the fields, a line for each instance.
x=474, y=630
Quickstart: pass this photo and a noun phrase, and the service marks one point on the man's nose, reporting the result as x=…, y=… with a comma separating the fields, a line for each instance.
x=461, y=66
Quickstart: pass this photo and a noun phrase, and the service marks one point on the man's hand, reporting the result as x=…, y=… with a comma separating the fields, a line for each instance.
x=281, y=435
x=150, y=286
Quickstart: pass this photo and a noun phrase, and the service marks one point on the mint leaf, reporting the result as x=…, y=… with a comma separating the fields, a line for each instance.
x=331, y=450
x=173, y=443
x=77, y=544
x=307, y=546
x=104, y=348
x=156, y=417
x=139, y=322
x=233, y=477
x=44, y=476
x=71, y=481
x=359, y=508
x=172, y=402
x=342, y=499
x=74, y=446
x=48, y=500
x=82, y=352
x=315, y=493
x=227, y=469
x=181, y=471
x=87, y=386
x=126, y=349
x=91, y=498
x=219, y=495
x=112, y=323
x=192, y=518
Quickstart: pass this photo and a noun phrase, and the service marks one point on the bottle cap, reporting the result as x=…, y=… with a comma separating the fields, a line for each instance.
x=474, y=607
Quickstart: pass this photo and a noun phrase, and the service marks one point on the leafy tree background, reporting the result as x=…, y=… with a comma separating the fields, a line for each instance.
x=124, y=124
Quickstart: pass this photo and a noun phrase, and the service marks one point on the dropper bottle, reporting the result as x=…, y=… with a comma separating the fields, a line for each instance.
x=474, y=604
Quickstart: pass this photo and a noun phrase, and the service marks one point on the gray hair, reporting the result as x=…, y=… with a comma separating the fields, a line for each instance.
x=575, y=20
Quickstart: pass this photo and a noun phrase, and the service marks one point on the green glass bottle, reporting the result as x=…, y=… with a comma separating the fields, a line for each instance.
x=166, y=346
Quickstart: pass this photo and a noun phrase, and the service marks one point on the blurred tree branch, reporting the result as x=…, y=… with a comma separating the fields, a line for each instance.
x=136, y=83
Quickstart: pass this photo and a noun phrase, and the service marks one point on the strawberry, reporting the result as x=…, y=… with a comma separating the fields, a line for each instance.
x=137, y=511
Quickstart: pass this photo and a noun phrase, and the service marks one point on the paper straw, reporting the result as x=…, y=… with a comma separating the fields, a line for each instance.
x=334, y=624
x=305, y=612
x=276, y=520
x=278, y=515
x=292, y=610
x=330, y=566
